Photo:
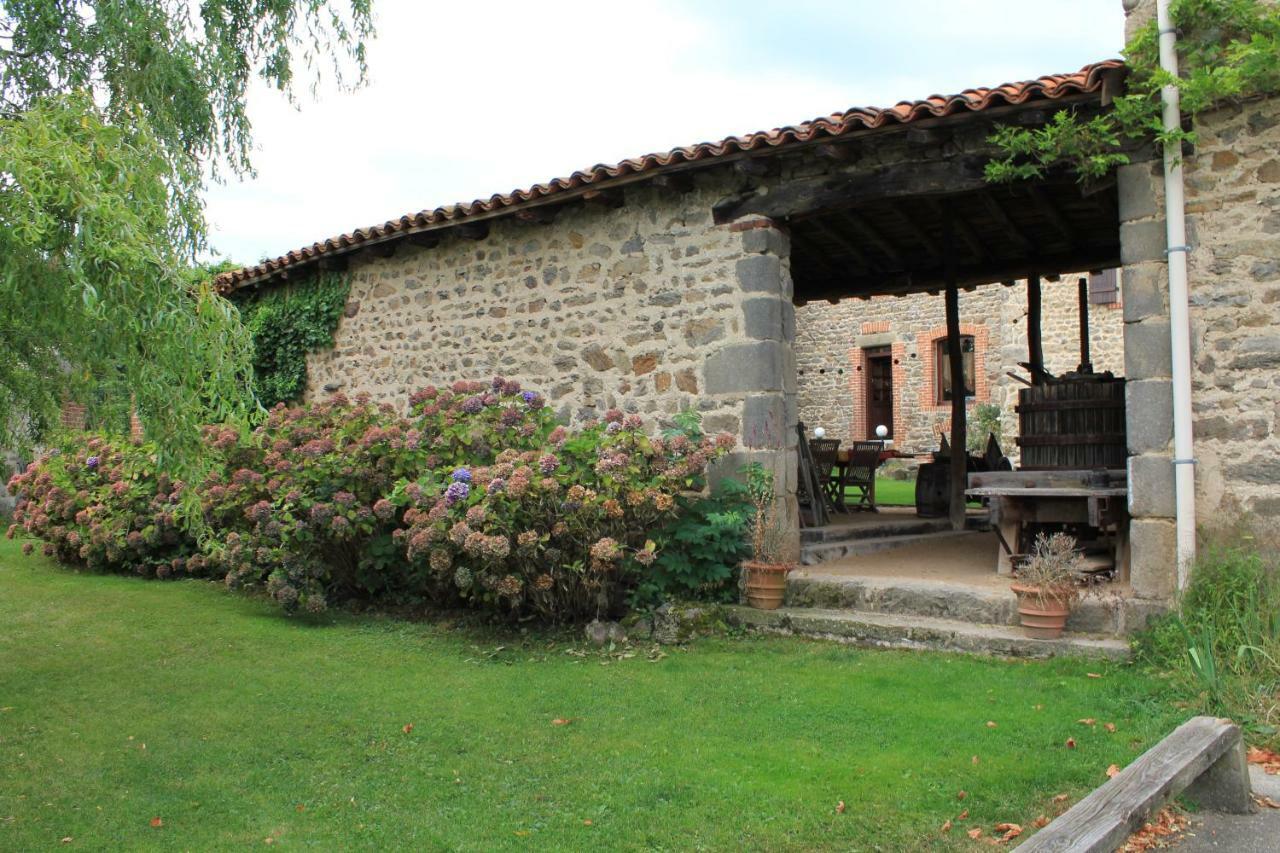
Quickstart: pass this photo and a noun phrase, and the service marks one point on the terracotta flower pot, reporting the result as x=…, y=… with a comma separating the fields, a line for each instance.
x=1043, y=613
x=766, y=584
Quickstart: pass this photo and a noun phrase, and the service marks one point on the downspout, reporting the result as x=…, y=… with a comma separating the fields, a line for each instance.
x=1179, y=312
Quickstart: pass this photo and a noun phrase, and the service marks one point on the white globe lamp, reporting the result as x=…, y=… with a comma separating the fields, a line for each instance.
x=882, y=431
x=819, y=432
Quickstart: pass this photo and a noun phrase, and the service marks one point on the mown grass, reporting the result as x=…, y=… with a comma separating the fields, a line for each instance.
x=124, y=700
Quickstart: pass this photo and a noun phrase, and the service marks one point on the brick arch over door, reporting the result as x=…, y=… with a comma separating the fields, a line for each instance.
x=858, y=429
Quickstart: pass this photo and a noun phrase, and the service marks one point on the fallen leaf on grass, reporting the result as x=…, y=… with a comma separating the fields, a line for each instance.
x=1010, y=830
x=964, y=815
x=1112, y=771
x=1040, y=822
x=840, y=807
x=562, y=721
x=1061, y=798
x=67, y=840
x=1111, y=727
x=408, y=727
x=1268, y=759
x=1071, y=743
x=522, y=832
x=975, y=759
x=1094, y=674
x=299, y=807
x=946, y=826
x=587, y=822
x=1087, y=721
x=991, y=724
x=156, y=823
x=975, y=833
x=960, y=795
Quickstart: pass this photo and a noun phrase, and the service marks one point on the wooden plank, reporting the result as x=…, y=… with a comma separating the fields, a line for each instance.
x=1105, y=818
x=1013, y=491
x=1035, y=341
x=1064, y=478
x=830, y=192
x=959, y=457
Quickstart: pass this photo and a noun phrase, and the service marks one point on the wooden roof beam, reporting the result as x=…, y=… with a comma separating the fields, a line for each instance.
x=679, y=182
x=964, y=230
x=812, y=254
x=908, y=222
x=839, y=240
x=999, y=214
x=1052, y=213
x=869, y=231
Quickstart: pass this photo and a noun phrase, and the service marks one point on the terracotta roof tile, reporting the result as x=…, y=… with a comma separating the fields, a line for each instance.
x=1050, y=87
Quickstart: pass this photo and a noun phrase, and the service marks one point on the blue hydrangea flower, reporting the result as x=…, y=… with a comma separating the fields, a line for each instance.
x=462, y=475
x=92, y=462
x=457, y=491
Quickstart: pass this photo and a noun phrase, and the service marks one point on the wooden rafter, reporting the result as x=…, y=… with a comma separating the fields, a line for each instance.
x=837, y=238
x=862, y=226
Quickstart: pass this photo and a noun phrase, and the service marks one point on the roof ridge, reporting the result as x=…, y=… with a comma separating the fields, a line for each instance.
x=1050, y=86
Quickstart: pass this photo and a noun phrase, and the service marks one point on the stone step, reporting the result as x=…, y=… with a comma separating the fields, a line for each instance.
x=889, y=526
x=885, y=630
x=1109, y=614
x=823, y=552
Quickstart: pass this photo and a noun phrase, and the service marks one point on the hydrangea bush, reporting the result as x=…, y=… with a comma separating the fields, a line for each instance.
x=104, y=505
x=559, y=528
x=303, y=508
x=477, y=497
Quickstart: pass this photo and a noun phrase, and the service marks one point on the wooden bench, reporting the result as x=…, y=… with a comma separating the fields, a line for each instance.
x=1204, y=757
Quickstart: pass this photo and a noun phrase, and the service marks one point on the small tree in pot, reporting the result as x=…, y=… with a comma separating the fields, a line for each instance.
x=766, y=571
x=1047, y=585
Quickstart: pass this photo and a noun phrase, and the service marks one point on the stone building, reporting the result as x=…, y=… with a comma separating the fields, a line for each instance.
x=672, y=281
x=864, y=363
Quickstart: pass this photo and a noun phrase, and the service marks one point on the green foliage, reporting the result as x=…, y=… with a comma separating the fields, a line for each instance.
x=112, y=115
x=1228, y=50
x=1222, y=644
x=987, y=421
x=107, y=506
x=700, y=550
x=285, y=323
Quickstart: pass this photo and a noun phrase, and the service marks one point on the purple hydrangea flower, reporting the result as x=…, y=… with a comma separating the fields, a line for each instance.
x=92, y=462
x=529, y=396
x=457, y=491
x=496, y=485
x=473, y=405
x=613, y=426
x=461, y=475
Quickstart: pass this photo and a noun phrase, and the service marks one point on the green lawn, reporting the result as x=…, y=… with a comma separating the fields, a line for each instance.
x=123, y=700
x=890, y=492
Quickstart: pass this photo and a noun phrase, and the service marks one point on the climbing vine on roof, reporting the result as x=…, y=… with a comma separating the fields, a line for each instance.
x=286, y=323
x=1228, y=51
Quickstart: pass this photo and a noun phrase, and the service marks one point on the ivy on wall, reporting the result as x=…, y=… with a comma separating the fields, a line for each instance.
x=286, y=323
x=1228, y=50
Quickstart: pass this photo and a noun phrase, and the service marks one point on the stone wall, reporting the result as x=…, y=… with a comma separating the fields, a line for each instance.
x=831, y=340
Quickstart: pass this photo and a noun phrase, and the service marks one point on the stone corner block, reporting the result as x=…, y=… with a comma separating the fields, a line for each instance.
x=766, y=318
x=760, y=274
x=1145, y=293
x=1147, y=354
x=1153, y=558
x=764, y=421
x=766, y=241
x=1151, y=489
x=1142, y=241
x=752, y=367
x=1148, y=415
x=1137, y=188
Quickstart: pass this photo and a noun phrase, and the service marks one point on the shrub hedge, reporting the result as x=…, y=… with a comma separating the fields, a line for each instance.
x=477, y=497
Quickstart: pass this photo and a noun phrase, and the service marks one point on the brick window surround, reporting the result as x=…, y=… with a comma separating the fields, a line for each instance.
x=927, y=346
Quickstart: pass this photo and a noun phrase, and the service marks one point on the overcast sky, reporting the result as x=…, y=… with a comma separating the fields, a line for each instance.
x=474, y=98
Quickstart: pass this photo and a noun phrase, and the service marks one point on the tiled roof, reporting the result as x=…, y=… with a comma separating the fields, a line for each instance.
x=1051, y=87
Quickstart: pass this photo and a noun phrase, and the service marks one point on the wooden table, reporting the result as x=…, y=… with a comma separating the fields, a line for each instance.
x=1098, y=499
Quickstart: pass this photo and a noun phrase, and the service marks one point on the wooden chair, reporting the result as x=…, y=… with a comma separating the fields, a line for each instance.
x=864, y=459
x=824, y=452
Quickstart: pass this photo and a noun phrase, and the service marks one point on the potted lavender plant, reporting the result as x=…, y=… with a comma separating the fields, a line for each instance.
x=1047, y=585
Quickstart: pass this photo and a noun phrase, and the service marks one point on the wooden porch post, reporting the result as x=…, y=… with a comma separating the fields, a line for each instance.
x=1035, y=344
x=959, y=452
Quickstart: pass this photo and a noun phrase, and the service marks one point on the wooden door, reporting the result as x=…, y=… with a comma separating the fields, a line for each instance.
x=879, y=392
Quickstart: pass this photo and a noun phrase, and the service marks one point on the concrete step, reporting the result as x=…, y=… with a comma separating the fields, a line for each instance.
x=835, y=549
x=884, y=525
x=1109, y=614
x=885, y=630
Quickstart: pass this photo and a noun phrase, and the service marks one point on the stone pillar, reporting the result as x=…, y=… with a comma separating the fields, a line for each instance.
x=760, y=366
x=1136, y=15
x=1148, y=374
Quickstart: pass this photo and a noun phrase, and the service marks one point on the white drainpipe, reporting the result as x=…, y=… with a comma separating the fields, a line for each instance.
x=1179, y=312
